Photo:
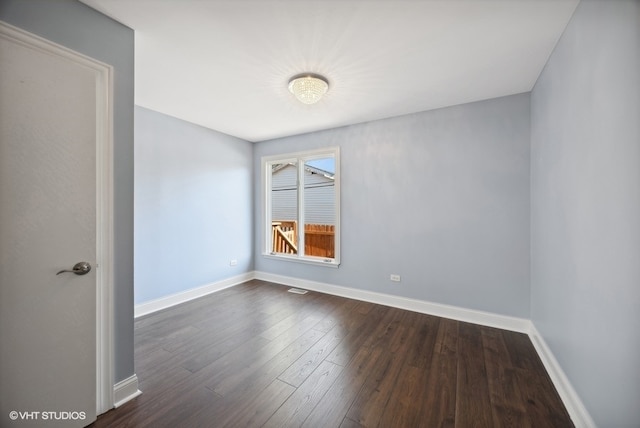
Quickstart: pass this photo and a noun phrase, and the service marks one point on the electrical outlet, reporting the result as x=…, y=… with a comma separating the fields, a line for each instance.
x=233, y=262
x=395, y=278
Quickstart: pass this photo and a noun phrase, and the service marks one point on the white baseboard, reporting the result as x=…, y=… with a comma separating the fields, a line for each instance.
x=578, y=412
x=184, y=296
x=125, y=390
x=461, y=314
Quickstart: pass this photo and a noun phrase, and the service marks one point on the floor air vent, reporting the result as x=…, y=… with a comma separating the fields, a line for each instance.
x=297, y=291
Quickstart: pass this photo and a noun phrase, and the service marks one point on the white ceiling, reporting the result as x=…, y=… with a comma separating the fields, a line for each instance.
x=225, y=64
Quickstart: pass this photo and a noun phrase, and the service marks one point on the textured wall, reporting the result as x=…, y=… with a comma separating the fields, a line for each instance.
x=440, y=197
x=585, y=297
x=193, y=207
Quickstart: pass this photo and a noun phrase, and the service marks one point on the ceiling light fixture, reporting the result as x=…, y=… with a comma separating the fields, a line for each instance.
x=308, y=88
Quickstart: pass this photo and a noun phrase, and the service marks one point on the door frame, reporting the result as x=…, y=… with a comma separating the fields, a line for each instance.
x=104, y=202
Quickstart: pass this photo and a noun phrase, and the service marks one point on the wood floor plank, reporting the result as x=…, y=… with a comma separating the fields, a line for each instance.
x=255, y=355
x=198, y=358
x=337, y=315
x=350, y=423
x=291, y=321
x=539, y=408
x=298, y=372
x=199, y=355
x=542, y=402
x=299, y=405
x=333, y=406
x=194, y=310
x=438, y=407
x=473, y=404
x=420, y=351
x=521, y=351
x=384, y=329
x=369, y=406
x=361, y=326
x=402, y=408
x=233, y=361
x=506, y=400
x=181, y=408
x=262, y=371
x=256, y=411
x=160, y=340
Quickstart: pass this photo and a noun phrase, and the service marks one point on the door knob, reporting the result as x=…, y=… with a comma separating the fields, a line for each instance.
x=81, y=268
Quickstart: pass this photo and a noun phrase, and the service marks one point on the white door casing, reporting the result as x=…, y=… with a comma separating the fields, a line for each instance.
x=55, y=210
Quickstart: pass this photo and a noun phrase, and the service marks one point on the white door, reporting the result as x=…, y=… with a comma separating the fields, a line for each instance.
x=48, y=131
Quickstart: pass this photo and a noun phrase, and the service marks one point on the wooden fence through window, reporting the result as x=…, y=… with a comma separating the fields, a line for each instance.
x=319, y=239
x=284, y=236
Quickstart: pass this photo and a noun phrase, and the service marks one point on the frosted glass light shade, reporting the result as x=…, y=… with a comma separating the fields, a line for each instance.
x=308, y=88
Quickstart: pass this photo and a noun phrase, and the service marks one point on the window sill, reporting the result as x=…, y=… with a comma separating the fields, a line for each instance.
x=317, y=261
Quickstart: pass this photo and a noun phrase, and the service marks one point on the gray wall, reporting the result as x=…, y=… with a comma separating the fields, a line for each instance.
x=78, y=27
x=585, y=196
x=440, y=197
x=193, y=206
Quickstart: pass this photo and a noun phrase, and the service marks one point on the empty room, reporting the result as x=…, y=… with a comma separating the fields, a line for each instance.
x=320, y=213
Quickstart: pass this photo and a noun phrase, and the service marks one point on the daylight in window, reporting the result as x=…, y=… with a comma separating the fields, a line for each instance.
x=302, y=206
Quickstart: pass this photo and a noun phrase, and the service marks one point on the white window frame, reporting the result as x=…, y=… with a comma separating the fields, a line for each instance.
x=300, y=158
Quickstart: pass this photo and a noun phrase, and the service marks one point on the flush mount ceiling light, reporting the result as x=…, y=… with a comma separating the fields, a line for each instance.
x=308, y=88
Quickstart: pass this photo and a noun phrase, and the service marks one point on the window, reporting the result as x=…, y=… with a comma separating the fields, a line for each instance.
x=302, y=206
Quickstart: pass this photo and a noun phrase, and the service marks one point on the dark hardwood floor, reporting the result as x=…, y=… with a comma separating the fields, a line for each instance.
x=255, y=355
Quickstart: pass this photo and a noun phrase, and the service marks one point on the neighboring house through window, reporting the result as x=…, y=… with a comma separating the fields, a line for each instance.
x=302, y=206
